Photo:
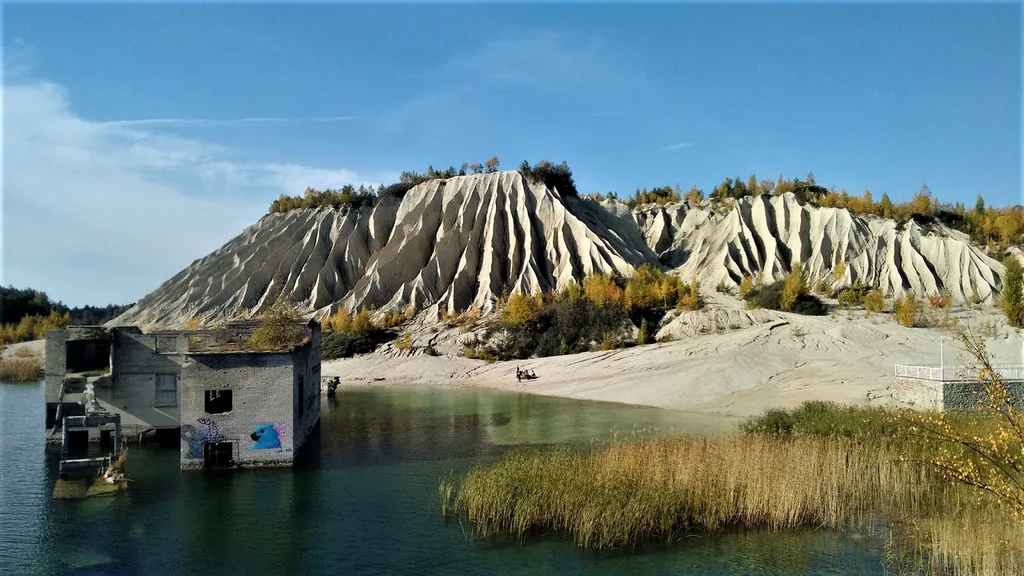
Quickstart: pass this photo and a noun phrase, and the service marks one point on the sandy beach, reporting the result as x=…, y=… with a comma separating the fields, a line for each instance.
x=844, y=357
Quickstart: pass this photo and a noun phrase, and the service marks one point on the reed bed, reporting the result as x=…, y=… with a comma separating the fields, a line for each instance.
x=20, y=369
x=966, y=538
x=623, y=493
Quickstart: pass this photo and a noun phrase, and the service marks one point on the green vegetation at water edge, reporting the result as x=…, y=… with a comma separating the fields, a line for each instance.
x=949, y=488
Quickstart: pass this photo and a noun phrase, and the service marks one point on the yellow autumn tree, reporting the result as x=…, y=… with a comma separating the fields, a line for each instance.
x=602, y=291
x=522, y=310
x=794, y=287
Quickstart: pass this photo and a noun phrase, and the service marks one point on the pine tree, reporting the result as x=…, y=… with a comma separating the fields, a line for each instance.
x=642, y=336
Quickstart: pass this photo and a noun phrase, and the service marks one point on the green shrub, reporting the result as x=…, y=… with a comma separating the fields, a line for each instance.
x=908, y=311
x=773, y=421
x=642, y=336
x=824, y=419
x=557, y=177
x=1013, y=292
x=746, y=285
x=348, y=344
x=279, y=329
x=770, y=297
x=853, y=296
x=874, y=301
x=404, y=342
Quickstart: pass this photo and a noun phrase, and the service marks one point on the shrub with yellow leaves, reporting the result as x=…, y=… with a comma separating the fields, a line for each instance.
x=990, y=460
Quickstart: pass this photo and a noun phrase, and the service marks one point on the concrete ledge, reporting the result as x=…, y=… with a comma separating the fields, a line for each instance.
x=949, y=395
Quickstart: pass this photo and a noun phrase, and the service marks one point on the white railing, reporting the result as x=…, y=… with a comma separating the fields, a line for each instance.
x=950, y=373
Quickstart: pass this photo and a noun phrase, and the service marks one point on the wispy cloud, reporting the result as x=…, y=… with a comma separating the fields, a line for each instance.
x=546, y=58
x=206, y=123
x=678, y=146
x=536, y=61
x=19, y=57
x=96, y=212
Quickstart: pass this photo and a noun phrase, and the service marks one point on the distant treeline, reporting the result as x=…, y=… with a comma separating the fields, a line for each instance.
x=26, y=314
x=988, y=226
x=556, y=176
x=347, y=196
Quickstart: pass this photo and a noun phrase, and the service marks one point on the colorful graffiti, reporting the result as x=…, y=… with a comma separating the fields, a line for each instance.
x=266, y=436
x=195, y=439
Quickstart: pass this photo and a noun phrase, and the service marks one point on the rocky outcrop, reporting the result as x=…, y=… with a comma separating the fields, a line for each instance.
x=461, y=242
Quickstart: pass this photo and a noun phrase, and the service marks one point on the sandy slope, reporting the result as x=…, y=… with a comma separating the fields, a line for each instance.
x=35, y=347
x=780, y=362
x=456, y=243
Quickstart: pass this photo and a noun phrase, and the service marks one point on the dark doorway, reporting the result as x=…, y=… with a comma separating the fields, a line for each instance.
x=218, y=454
x=78, y=442
x=218, y=401
x=88, y=356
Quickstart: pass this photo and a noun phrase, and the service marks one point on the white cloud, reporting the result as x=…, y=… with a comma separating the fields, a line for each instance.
x=678, y=146
x=104, y=212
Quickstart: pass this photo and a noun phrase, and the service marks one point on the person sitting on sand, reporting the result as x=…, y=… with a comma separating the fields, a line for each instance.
x=531, y=374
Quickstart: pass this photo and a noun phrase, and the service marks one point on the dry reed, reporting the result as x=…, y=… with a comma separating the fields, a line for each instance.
x=20, y=369
x=621, y=494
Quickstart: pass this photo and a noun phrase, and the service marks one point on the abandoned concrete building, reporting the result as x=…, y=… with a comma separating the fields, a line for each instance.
x=227, y=403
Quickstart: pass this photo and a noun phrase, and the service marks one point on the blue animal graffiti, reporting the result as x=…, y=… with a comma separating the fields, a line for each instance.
x=195, y=439
x=266, y=436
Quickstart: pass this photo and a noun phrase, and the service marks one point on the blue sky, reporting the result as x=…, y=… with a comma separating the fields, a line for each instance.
x=143, y=137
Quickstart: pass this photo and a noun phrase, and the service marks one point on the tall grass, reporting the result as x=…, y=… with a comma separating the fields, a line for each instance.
x=622, y=494
x=818, y=465
x=20, y=369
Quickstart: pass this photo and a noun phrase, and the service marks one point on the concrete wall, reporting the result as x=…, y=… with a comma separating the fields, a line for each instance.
x=136, y=364
x=261, y=385
x=959, y=395
x=965, y=395
x=921, y=394
x=265, y=395
x=55, y=363
x=306, y=359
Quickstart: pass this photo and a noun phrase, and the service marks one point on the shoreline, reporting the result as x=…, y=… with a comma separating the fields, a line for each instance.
x=845, y=358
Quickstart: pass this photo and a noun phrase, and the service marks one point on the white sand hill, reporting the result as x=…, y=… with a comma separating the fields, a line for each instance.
x=456, y=243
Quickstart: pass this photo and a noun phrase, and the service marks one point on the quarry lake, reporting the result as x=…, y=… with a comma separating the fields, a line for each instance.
x=369, y=505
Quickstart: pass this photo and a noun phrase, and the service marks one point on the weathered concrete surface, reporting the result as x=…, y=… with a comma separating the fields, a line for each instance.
x=921, y=394
x=275, y=395
x=261, y=386
x=950, y=395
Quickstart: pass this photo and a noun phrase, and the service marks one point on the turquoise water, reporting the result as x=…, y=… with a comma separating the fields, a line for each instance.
x=368, y=506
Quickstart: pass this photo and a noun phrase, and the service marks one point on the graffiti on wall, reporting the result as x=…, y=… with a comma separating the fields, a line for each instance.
x=267, y=436
x=195, y=439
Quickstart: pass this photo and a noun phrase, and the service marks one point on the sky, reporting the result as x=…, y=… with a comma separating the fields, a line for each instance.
x=138, y=138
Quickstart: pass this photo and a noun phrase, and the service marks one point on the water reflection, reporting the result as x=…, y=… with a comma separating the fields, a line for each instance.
x=368, y=506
